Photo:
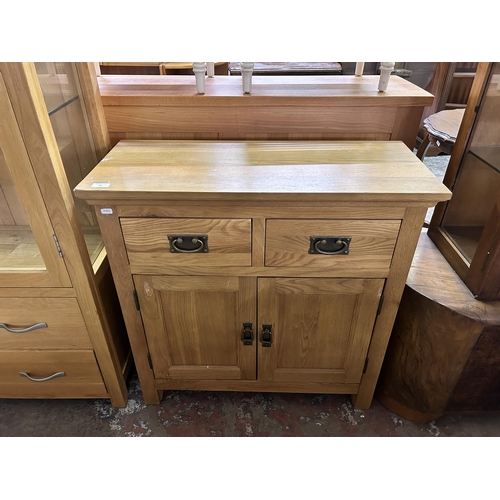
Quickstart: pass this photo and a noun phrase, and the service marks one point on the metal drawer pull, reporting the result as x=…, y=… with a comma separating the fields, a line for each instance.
x=188, y=243
x=24, y=330
x=50, y=377
x=329, y=245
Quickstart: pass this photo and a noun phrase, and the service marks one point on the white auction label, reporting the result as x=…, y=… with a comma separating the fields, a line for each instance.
x=106, y=211
x=100, y=185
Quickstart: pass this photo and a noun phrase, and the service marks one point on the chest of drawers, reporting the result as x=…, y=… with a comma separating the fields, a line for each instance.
x=260, y=266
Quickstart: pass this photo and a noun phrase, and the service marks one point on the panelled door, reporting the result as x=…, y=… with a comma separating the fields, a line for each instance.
x=315, y=329
x=194, y=326
x=29, y=256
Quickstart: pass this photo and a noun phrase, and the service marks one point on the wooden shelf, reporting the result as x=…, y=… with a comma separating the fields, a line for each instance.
x=19, y=250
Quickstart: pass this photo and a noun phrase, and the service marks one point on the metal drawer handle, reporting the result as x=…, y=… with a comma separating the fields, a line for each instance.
x=188, y=243
x=24, y=330
x=333, y=245
x=50, y=377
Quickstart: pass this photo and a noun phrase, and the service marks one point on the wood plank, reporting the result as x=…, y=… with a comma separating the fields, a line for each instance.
x=93, y=104
x=257, y=386
x=251, y=171
x=113, y=241
x=258, y=210
x=338, y=90
x=405, y=248
x=234, y=121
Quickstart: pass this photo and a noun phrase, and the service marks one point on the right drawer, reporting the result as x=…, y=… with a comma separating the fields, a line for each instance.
x=42, y=323
x=363, y=245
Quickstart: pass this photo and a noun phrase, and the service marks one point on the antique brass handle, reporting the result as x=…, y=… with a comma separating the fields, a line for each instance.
x=188, y=243
x=266, y=339
x=50, y=377
x=36, y=326
x=247, y=334
x=332, y=245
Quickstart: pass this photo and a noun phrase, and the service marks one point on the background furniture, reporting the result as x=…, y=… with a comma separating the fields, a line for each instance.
x=445, y=346
x=62, y=333
x=442, y=130
x=279, y=108
x=444, y=351
x=289, y=68
x=467, y=228
x=260, y=266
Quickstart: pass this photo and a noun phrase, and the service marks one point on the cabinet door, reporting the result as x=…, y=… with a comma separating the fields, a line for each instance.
x=194, y=326
x=320, y=328
x=29, y=255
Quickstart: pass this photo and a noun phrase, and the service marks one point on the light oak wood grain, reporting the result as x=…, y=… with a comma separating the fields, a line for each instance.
x=279, y=108
x=45, y=169
x=82, y=380
x=371, y=246
x=65, y=326
x=148, y=246
x=383, y=185
x=251, y=171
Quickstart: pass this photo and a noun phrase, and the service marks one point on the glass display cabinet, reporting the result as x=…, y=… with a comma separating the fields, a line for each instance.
x=61, y=330
x=64, y=100
x=466, y=229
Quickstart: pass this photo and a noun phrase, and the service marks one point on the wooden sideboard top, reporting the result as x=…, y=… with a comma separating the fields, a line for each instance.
x=341, y=90
x=314, y=171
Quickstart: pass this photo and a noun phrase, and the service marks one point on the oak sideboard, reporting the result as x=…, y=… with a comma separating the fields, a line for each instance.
x=260, y=265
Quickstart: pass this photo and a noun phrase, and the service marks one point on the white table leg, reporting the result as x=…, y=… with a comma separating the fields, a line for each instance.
x=359, y=69
x=199, y=69
x=246, y=73
x=210, y=69
x=385, y=71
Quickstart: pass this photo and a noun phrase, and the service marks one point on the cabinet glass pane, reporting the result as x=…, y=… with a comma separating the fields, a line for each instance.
x=18, y=249
x=478, y=182
x=61, y=91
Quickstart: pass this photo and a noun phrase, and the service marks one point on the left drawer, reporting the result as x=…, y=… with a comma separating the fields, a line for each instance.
x=154, y=246
x=42, y=323
x=50, y=374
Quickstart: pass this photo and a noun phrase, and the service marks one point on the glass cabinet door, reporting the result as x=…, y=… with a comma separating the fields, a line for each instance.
x=64, y=101
x=478, y=182
x=28, y=249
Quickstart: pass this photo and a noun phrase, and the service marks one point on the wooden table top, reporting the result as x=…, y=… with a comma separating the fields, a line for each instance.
x=340, y=90
x=445, y=124
x=317, y=171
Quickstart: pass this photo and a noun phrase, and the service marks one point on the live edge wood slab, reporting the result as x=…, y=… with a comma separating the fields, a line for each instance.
x=315, y=319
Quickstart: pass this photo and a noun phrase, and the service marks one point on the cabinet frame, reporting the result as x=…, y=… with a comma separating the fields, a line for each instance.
x=482, y=274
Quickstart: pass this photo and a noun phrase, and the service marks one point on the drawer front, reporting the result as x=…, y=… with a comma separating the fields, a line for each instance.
x=367, y=244
x=58, y=374
x=42, y=323
x=150, y=250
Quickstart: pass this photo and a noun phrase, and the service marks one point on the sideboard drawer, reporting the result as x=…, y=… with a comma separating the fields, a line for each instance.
x=362, y=244
x=42, y=323
x=45, y=373
x=155, y=245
